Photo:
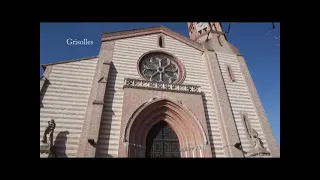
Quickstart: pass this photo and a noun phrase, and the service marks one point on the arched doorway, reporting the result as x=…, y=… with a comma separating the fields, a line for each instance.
x=162, y=142
x=193, y=140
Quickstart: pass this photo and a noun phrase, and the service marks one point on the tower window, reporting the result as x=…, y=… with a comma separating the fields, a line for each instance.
x=219, y=40
x=230, y=73
x=247, y=126
x=161, y=41
x=246, y=123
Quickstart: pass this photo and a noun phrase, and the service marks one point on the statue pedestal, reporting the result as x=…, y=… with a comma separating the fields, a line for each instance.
x=44, y=155
x=44, y=150
x=258, y=152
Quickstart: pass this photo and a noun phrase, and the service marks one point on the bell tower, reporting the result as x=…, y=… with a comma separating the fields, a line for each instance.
x=211, y=35
x=203, y=31
x=229, y=77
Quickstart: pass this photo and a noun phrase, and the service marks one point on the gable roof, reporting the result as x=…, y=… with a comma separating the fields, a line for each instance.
x=134, y=33
x=67, y=61
x=147, y=31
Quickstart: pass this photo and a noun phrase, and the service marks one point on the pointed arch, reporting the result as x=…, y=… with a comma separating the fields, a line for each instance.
x=188, y=128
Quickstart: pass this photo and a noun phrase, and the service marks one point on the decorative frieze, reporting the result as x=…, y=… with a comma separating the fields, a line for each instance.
x=135, y=145
x=144, y=84
x=191, y=148
x=182, y=149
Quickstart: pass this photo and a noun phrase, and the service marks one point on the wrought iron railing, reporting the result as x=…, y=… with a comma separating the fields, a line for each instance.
x=136, y=83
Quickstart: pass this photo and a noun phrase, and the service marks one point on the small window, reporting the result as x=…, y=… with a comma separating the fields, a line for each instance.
x=230, y=73
x=161, y=41
x=246, y=122
x=219, y=40
x=200, y=32
x=205, y=29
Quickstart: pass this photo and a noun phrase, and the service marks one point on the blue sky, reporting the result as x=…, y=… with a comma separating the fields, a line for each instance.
x=261, y=52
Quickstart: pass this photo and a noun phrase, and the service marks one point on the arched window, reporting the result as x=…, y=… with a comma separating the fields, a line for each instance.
x=230, y=73
x=246, y=123
x=161, y=41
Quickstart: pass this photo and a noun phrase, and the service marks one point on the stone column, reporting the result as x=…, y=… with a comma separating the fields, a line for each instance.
x=184, y=152
x=126, y=146
x=134, y=147
x=202, y=153
x=140, y=151
x=192, y=150
x=187, y=155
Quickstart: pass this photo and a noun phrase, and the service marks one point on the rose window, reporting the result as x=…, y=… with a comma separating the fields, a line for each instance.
x=160, y=67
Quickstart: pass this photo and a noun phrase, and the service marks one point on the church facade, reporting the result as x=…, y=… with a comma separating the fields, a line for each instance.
x=152, y=92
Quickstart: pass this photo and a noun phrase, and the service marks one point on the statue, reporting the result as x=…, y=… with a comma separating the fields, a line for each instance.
x=258, y=148
x=257, y=143
x=46, y=146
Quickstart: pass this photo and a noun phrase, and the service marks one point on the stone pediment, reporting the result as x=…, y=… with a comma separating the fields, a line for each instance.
x=148, y=31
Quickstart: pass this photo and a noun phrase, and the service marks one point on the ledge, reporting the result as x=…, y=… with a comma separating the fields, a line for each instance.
x=159, y=86
x=98, y=102
x=67, y=61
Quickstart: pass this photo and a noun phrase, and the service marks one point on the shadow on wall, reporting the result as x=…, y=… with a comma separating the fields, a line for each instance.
x=103, y=145
x=204, y=100
x=59, y=148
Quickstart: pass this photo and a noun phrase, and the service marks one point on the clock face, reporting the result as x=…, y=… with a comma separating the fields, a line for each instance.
x=201, y=25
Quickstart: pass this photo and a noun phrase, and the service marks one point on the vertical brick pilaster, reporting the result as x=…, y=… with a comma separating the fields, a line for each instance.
x=98, y=106
x=42, y=82
x=264, y=123
x=46, y=75
x=47, y=72
x=227, y=125
x=93, y=115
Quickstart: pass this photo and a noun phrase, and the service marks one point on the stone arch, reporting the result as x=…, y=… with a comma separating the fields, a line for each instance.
x=192, y=137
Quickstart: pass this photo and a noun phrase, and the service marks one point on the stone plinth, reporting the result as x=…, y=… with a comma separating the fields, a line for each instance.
x=44, y=150
x=257, y=152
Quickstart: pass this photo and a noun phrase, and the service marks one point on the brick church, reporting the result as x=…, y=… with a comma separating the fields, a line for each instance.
x=154, y=93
